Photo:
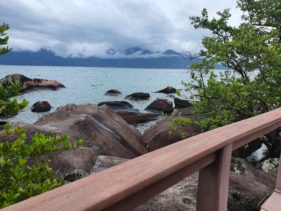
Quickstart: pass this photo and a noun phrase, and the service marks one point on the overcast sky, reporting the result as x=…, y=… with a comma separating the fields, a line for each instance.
x=90, y=27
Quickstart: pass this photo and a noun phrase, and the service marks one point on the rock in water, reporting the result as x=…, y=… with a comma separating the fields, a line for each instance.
x=112, y=92
x=41, y=106
x=136, y=117
x=161, y=105
x=138, y=96
x=28, y=83
x=117, y=105
x=167, y=90
x=14, y=79
x=180, y=103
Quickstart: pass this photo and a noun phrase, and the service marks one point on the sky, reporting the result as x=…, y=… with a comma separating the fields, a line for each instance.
x=83, y=28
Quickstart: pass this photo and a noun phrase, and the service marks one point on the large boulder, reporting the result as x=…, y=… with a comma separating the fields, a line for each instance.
x=181, y=196
x=181, y=103
x=104, y=133
x=104, y=162
x=29, y=129
x=113, y=92
x=136, y=117
x=100, y=127
x=167, y=90
x=41, y=106
x=161, y=105
x=248, y=186
x=75, y=163
x=28, y=83
x=162, y=134
x=14, y=79
x=117, y=105
x=138, y=96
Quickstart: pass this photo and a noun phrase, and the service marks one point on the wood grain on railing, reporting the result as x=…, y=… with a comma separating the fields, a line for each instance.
x=130, y=184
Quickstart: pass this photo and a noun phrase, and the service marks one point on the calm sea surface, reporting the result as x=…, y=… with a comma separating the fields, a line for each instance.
x=88, y=85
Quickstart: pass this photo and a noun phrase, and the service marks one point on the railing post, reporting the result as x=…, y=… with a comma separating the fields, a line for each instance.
x=214, y=181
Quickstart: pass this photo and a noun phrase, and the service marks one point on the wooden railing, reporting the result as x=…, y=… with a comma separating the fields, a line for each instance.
x=132, y=183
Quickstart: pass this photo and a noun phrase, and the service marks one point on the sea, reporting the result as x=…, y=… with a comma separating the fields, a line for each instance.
x=88, y=85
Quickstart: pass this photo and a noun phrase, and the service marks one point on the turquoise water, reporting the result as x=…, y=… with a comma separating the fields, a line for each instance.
x=88, y=85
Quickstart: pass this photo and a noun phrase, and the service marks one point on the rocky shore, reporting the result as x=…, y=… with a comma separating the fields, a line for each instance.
x=110, y=138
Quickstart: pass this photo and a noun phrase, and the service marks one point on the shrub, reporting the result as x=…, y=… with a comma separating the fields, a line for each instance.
x=8, y=107
x=251, y=54
x=23, y=170
x=178, y=124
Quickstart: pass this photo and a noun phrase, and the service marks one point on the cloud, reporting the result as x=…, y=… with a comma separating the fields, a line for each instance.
x=90, y=27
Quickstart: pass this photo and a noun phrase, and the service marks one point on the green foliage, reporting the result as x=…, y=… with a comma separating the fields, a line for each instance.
x=9, y=91
x=23, y=170
x=12, y=107
x=8, y=107
x=177, y=125
x=262, y=13
x=252, y=54
x=4, y=39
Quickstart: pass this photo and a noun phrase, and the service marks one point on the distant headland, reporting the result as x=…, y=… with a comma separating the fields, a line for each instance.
x=134, y=57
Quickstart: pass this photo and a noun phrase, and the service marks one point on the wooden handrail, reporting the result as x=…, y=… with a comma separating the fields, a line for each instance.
x=130, y=184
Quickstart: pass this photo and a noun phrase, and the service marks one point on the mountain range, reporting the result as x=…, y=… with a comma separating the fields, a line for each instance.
x=134, y=57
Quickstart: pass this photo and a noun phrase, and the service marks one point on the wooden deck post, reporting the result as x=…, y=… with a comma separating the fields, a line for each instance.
x=214, y=181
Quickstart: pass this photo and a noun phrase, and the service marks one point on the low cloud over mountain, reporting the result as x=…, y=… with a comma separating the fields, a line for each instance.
x=84, y=28
x=134, y=57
